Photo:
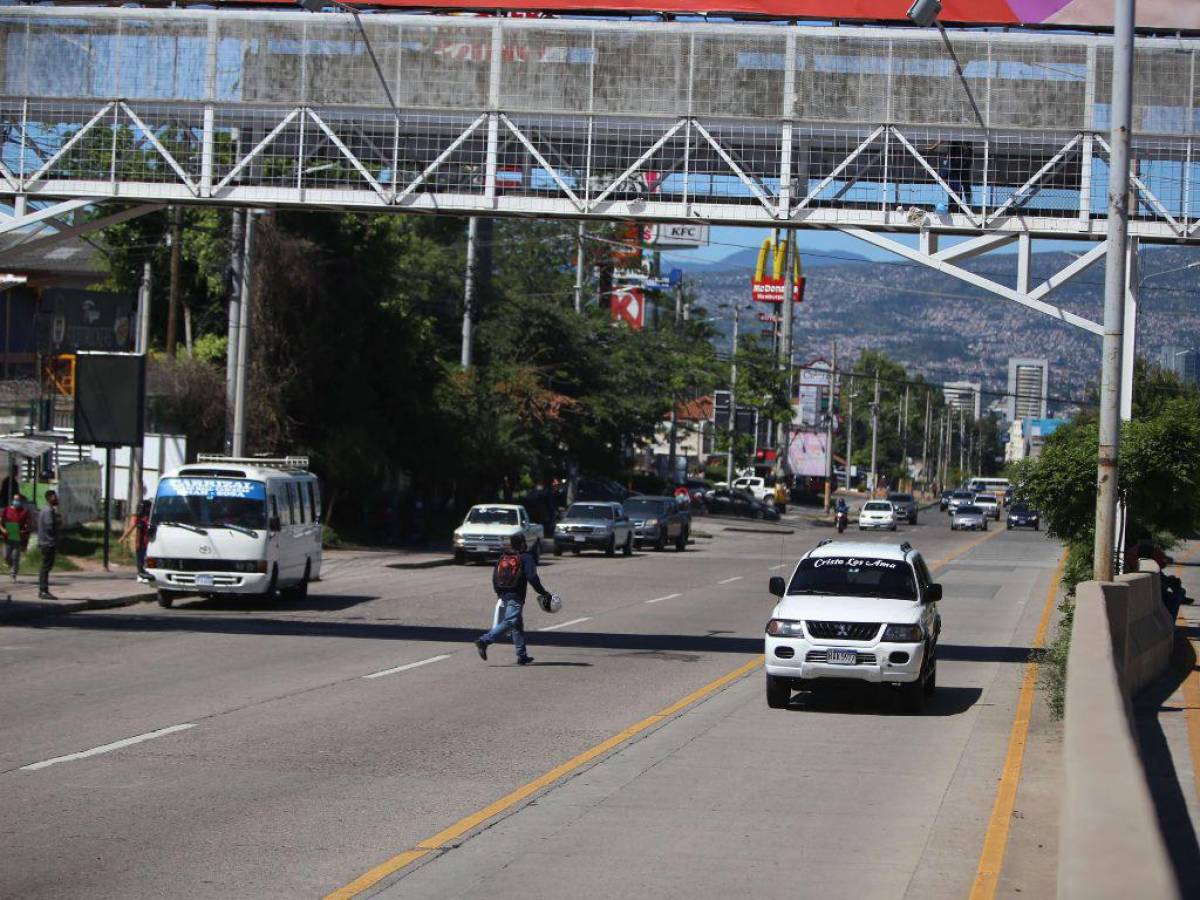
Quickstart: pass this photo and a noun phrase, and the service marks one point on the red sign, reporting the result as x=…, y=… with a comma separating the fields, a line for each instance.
x=770, y=290
x=768, y=317
x=1170, y=14
x=629, y=306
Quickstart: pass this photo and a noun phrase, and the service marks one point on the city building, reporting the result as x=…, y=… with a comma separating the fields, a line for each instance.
x=1183, y=361
x=965, y=396
x=1028, y=385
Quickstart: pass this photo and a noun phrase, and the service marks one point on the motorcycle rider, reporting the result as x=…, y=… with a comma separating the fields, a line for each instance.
x=841, y=513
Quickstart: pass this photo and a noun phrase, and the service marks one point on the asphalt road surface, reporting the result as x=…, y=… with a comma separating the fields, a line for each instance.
x=284, y=751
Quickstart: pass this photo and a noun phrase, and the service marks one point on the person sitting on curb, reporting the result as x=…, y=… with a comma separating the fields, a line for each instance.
x=16, y=533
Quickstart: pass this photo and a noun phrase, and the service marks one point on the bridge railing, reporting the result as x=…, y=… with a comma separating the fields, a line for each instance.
x=728, y=122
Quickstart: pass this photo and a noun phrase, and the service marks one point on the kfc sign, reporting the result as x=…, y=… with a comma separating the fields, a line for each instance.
x=629, y=306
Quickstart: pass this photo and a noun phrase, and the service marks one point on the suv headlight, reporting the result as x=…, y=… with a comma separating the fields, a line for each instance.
x=904, y=634
x=650, y=523
x=786, y=628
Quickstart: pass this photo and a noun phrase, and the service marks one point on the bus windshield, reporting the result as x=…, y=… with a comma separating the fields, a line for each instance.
x=211, y=502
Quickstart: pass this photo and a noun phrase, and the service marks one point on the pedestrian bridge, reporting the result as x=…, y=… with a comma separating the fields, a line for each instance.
x=799, y=126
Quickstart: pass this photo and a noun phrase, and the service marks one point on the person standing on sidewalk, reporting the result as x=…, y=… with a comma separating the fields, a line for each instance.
x=516, y=570
x=49, y=523
x=15, y=519
x=139, y=531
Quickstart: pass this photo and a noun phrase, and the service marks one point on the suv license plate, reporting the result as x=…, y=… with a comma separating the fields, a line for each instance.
x=842, y=657
x=579, y=539
x=204, y=581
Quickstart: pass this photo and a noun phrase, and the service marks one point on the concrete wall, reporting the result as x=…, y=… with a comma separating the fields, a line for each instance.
x=1110, y=843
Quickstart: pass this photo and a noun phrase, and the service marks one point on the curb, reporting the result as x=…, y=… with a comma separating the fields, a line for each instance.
x=18, y=615
x=762, y=530
x=423, y=564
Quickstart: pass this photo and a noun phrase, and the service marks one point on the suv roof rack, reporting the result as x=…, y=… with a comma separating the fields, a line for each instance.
x=267, y=462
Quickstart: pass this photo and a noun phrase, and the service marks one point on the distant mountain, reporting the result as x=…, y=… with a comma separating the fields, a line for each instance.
x=947, y=330
x=746, y=260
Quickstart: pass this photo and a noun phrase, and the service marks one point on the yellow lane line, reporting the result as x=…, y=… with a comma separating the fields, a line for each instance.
x=995, y=842
x=474, y=820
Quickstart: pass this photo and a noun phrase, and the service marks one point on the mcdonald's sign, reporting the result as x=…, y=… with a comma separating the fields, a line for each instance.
x=768, y=287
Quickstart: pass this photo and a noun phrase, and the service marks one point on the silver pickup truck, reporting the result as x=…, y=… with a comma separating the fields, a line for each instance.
x=490, y=528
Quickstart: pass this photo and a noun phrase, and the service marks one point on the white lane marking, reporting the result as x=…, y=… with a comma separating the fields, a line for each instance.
x=18, y=647
x=731, y=580
x=780, y=566
x=668, y=597
x=565, y=624
x=423, y=662
x=106, y=748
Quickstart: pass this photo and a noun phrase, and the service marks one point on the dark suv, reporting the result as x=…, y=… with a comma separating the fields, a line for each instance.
x=906, y=506
x=657, y=521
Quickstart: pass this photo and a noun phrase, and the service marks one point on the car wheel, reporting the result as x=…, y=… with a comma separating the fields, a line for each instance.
x=576, y=550
x=627, y=550
x=661, y=543
x=611, y=549
x=272, y=591
x=460, y=558
x=558, y=549
x=681, y=541
x=912, y=697
x=779, y=692
x=985, y=526
x=931, y=679
x=637, y=545
x=1008, y=528
x=1037, y=527
x=300, y=591
x=166, y=599
x=758, y=514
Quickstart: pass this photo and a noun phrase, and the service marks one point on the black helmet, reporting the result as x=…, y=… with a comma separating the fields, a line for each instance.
x=518, y=542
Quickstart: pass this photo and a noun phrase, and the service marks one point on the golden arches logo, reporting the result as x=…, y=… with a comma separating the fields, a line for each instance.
x=768, y=287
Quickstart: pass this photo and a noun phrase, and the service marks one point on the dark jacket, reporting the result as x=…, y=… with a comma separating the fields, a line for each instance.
x=47, y=524
x=528, y=577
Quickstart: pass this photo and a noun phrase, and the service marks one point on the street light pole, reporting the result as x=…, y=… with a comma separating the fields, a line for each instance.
x=874, y=435
x=1114, y=291
x=732, y=399
x=829, y=431
x=785, y=341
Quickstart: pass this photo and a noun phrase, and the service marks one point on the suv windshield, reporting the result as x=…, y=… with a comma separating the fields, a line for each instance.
x=850, y=576
x=900, y=498
x=986, y=498
x=487, y=515
x=590, y=511
x=962, y=495
x=211, y=502
x=645, y=507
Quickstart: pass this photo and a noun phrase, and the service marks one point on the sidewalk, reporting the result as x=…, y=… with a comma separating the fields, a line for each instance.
x=75, y=591
x=1168, y=730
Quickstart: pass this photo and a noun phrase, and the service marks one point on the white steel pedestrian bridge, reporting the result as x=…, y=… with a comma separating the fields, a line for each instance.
x=730, y=123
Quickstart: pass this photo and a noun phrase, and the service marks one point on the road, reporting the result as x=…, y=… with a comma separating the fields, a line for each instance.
x=312, y=743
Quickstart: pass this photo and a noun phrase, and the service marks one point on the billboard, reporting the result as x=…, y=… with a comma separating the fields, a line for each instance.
x=806, y=454
x=815, y=378
x=629, y=306
x=1158, y=14
x=668, y=235
x=768, y=284
x=72, y=321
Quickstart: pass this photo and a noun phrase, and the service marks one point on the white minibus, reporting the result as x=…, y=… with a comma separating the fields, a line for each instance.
x=994, y=486
x=225, y=525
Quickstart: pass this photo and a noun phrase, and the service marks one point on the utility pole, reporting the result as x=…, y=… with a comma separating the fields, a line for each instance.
x=579, y=268
x=1120, y=112
x=874, y=434
x=925, y=442
x=732, y=399
x=468, y=322
x=962, y=439
x=141, y=345
x=173, y=293
x=941, y=446
x=243, y=350
x=829, y=432
x=904, y=435
x=236, y=248
x=785, y=342
x=850, y=432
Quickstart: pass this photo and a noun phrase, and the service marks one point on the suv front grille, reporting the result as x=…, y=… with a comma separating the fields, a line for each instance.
x=844, y=631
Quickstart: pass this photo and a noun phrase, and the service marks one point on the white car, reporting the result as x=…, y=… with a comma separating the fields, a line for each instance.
x=989, y=505
x=490, y=527
x=855, y=612
x=756, y=487
x=877, y=514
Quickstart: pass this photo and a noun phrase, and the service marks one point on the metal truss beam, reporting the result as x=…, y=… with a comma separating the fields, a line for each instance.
x=1031, y=300
x=67, y=232
x=35, y=217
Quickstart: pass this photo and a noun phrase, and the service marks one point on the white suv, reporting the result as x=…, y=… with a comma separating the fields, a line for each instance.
x=858, y=612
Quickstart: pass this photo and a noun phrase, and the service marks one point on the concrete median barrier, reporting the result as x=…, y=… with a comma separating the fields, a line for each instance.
x=1110, y=843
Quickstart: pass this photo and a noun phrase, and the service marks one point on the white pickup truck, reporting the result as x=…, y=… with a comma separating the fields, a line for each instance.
x=755, y=486
x=490, y=528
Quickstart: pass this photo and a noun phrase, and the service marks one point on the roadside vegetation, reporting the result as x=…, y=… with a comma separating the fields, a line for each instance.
x=1159, y=478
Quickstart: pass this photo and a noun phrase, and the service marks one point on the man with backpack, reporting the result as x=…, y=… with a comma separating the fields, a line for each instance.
x=516, y=570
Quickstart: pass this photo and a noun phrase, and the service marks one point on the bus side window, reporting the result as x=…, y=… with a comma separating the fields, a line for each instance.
x=301, y=506
x=275, y=508
x=291, y=503
x=312, y=501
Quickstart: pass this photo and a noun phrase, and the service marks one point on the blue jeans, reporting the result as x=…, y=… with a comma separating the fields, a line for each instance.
x=511, y=621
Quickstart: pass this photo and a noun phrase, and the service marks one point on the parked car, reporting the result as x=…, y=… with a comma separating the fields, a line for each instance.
x=756, y=486
x=490, y=527
x=595, y=526
x=658, y=521
x=960, y=498
x=1021, y=515
x=944, y=503
x=906, y=506
x=877, y=514
x=968, y=517
x=989, y=505
x=866, y=612
x=727, y=502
